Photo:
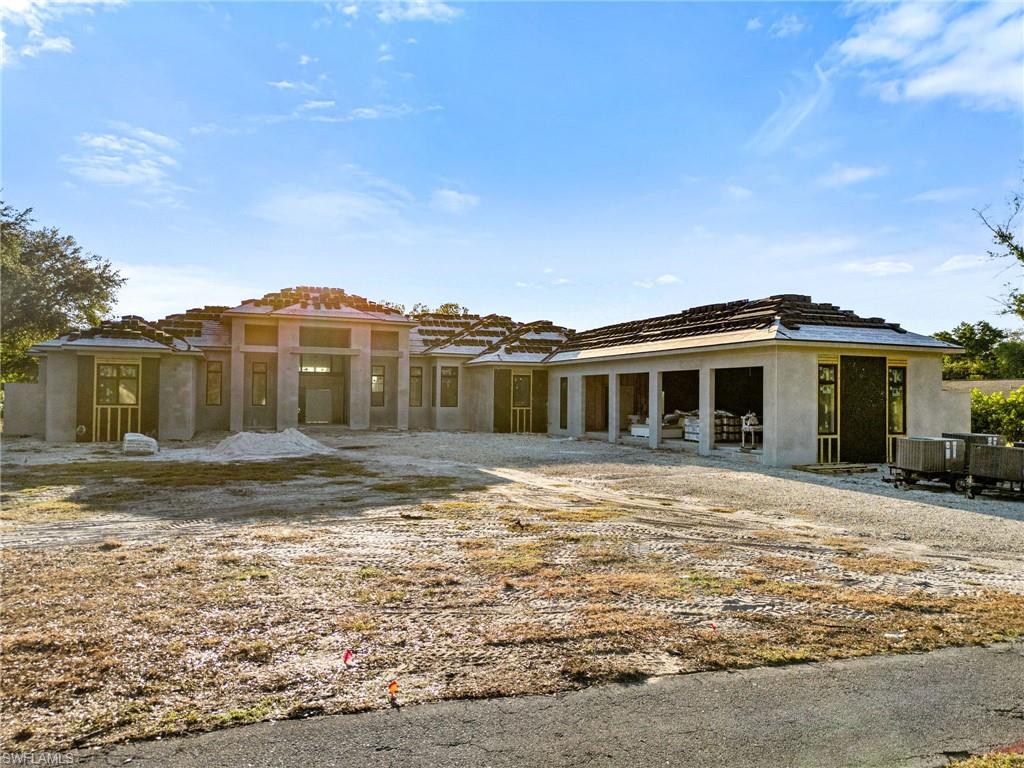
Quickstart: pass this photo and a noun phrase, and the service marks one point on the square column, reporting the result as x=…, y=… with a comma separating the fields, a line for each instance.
x=61, y=397
x=576, y=405
x=770, y=417
x=707, y=410
x=287, y=374
x=359, y=379
x=613, y=407
x=402, y=421
x=654, y=407
x=237, y=394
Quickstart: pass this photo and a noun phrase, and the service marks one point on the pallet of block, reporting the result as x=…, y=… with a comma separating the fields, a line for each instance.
x=839, y=468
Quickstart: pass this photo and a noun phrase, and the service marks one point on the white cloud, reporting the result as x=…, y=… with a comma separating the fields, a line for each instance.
x=736, y=192
x=340, y=211
x=795, y=106
x=453, y=201
x=352, y=11
x=305, y=59
x=754, y=24
x=47, y=45
x=924, y=51
x=879, y=268
x=31, y=21
x=942, y=195
x=561, y=281
x=385, y=57
x=521, y=284
x=845, y=175
x=418, y=10
x=128, y=157
x=788, y=26
x=666, y=279
x=155, y=291
x=289, y=85
x=959, y=262
x=313, y=104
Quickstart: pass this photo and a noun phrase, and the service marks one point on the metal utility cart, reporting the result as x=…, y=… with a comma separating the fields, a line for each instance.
x=995, y=468
x=937, y=459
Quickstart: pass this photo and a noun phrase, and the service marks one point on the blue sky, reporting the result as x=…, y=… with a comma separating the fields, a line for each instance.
x=581, y=162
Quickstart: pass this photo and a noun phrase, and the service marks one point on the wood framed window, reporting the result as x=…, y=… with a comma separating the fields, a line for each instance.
x=315, y=364
x=117, y=384
x=259, y=383
x=377, y=386
x=449, y=386
x=897, y=382
x=827, y=398
x=563, y=402
x=214, y=381
x=415, y=386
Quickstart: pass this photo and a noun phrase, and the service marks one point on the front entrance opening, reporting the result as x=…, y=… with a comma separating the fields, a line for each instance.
x=322, y=393
x=862, y=408
x=633, y=394
x=117, y=409
x=522, y=388
x=739, y=398
x=595, y=396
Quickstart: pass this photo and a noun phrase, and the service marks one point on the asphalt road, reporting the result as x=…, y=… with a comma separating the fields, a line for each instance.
x=918, y=711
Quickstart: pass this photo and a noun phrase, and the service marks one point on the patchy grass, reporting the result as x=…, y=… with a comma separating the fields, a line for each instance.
x=991, y=760
x=582, y=514
x=416, y=484
x=880, y=564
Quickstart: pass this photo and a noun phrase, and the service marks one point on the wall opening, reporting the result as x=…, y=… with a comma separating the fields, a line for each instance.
x=595, y=398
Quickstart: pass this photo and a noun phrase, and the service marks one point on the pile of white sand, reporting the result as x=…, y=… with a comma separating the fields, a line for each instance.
x=267, y=445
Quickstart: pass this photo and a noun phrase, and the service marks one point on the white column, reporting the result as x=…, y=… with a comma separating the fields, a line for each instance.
x=359, y=379
x=613, y=407
x=577, y=420
x=403, y=379
x=237, y=375
x=654, y=407
x=707, y=410
x=287, y=374
x=770, y=417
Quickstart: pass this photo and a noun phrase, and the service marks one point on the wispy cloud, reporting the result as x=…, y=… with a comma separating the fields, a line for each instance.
x=754, y=24
x=33, y=20
x=879, y=268
x=788, y=26
x=289, y=85
x=666, y=279
x=315, y=104
x=845, y=175
x=736, y=192
x=418, y=10
x=306, y=59
x=128, y=156
x=453, y=201
x=942, y=195
x=795, y=106
x=959, y=263
x=924, y=51
x=155, y=291
x=350, y=212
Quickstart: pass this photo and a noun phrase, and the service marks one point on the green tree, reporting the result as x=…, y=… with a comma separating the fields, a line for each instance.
x=48, y=285
x=996, y=414
x=1009, y=244
x=980, y=359
x=448, y=308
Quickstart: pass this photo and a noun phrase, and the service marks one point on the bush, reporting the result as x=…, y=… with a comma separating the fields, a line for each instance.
x=997, y=414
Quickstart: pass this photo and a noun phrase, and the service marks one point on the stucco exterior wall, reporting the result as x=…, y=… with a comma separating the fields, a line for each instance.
x=420, y=417
x=449, y=418
x=214, y=417
x=177, y=397
x=24, y=409
x=61, y=396
x=932, y=410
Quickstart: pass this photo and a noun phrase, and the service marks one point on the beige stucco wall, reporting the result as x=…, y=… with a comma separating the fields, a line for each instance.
x=421, y=417
x=61, y=396
x=24, y=409
x=177, y=397
x=213, y=417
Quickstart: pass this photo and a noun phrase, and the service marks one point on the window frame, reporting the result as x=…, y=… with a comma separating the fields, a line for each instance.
x=259, y=370
x=416, y=392
x=449, y=398
x=302, y=366
x=117, y=379
x=834, y=382
x=215, y=372
x=889, y=397
x=378, y=397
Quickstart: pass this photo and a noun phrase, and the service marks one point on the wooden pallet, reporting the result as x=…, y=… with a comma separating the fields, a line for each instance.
x=839, y=468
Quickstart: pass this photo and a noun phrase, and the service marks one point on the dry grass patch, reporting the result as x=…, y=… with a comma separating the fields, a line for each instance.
x=991, y=760
x=880, y=564
x=43, y=511
x=582, y=514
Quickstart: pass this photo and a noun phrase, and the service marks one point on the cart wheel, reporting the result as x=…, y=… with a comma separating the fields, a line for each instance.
x=958, y=485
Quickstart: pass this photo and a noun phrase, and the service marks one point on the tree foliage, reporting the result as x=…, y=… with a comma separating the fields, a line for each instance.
x=48, y=285
x=989, y=352
x=448, y=308
x=1009, y=244
x=996, y=414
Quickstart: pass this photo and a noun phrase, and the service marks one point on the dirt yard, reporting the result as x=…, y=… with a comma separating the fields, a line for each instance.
x=153, y=596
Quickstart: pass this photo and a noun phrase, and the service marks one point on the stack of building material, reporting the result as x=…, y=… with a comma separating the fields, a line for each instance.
x=136, y=444
x=728, y=427
x=691, y=426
